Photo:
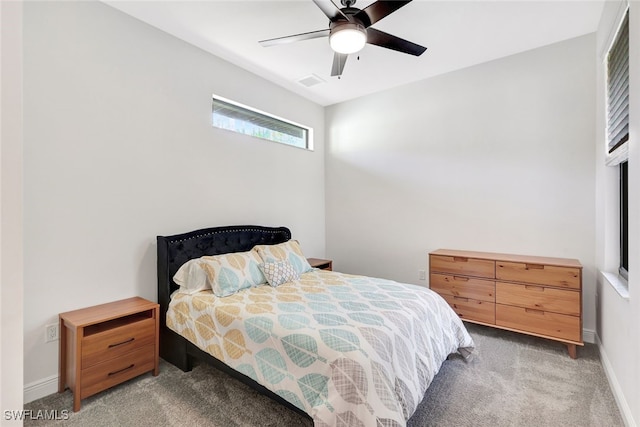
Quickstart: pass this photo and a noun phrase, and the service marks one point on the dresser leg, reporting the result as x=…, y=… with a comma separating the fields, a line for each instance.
x=573, y=352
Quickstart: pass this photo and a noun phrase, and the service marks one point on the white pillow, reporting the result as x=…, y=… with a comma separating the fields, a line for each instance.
x=191, y=277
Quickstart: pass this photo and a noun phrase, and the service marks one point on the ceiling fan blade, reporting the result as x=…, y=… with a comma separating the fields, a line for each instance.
x=378, y=10
x=382, y=39
x=339, y=59
x=330, y=9
x=295, y=38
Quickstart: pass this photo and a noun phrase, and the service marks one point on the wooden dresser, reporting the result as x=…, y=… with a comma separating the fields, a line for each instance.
x=107, y=344
x=538, y=296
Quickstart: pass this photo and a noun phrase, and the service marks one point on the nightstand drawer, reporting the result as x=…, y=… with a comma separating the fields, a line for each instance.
x=551, y=275
x=470, y=309
x=114, y=371
x=115, y=342
x=463, y=266
x=539, y=322
x=539, y=298
x=462, y=286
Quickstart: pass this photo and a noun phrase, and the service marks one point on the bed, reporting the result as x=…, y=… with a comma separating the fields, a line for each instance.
x=338, y=348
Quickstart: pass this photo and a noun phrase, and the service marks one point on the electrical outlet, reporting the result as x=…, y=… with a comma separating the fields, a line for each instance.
x=51, y=333
x=422, y=275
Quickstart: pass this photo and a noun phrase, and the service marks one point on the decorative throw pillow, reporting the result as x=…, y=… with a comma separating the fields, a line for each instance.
x=279, y=272
x=288, y=251
x=225, y=274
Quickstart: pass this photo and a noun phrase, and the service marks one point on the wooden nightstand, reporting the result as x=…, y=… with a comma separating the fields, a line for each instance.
x=323, y=264
x=107, y=344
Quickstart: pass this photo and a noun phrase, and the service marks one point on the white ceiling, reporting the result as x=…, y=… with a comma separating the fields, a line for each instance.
x=458, y=34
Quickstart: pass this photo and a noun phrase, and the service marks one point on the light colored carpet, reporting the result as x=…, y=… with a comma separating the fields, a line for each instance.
x=518, y=380
x=512, y=380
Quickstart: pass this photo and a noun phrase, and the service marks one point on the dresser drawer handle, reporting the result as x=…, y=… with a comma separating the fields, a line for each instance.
x=122, y=370
x=530, y=310
x=460, y=259
x=534, y=288
x=534, y=266
x=461, y=299
x=460, y=279
x=121, y=343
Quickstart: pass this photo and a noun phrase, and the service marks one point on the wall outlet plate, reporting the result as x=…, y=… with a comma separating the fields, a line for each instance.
x=51, y=333
x=422, y=275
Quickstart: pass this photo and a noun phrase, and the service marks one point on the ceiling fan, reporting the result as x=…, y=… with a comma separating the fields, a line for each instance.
x=350, y=29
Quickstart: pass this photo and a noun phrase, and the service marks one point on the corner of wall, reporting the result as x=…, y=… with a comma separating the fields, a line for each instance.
x=11, y=218
x=623, y=405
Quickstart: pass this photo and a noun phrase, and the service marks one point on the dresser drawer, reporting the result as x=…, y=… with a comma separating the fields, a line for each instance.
x=551, y=275
x=114, y=371
x=539, y=298
x=462, y=286
x=115, y=342
x=463, y=266
x=539, y=322
x=471, y=309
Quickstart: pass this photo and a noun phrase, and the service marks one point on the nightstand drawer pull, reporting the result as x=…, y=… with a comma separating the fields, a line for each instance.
x=460, y=279
x=121, y=343
x=461, y=299
x=460, y=259
x=534, y=266
x=121, y=370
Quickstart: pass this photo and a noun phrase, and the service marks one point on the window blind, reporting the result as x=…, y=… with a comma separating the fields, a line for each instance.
x=618, y=88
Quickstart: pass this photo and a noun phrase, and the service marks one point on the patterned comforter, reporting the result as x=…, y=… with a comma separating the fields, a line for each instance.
x=348, y=350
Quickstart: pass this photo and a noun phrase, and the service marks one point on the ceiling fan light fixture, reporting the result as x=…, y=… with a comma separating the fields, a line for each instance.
x=348, y=37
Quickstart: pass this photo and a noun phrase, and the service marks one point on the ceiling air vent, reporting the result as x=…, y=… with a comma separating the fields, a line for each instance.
x=310, y=80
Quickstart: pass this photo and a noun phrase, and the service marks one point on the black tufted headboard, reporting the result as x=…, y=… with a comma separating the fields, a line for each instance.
x=173, y=251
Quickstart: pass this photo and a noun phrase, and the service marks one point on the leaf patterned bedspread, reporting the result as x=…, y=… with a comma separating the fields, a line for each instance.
x=348, y=350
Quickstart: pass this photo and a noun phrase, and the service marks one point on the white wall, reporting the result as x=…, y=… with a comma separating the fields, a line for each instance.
x=118, y=148
x=11, y=257
x=497, y=157
x=619, y=317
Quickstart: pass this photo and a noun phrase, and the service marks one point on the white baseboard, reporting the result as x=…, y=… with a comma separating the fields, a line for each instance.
x=589, y=336
x=38, y=389
x=623, y=405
